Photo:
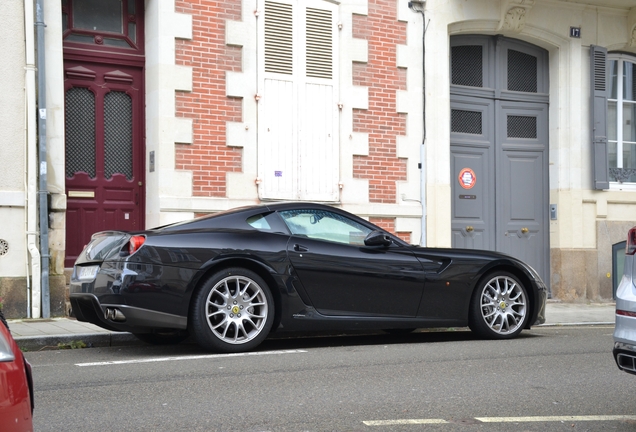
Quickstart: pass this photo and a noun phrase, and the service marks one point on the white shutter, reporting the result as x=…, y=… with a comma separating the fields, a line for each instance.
x=298, y=114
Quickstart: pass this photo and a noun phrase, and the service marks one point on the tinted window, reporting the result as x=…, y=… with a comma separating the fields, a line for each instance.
x=259, y=222
x=325, y=225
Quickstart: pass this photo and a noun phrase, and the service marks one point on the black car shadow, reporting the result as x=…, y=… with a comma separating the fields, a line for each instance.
x=305, y=340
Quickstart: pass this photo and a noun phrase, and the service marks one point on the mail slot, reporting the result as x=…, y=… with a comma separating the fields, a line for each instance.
x=81, y=194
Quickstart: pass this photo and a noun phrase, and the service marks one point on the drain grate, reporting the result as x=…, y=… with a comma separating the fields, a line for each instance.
x=4, y=247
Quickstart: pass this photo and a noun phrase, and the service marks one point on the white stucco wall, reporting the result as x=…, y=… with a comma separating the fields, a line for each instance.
x=12, y=140
x=12, y=114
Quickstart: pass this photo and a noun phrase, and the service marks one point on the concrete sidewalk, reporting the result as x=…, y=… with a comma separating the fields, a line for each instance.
x=36, y=334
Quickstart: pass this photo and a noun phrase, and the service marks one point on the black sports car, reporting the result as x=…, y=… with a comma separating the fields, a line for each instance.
x=231, y=278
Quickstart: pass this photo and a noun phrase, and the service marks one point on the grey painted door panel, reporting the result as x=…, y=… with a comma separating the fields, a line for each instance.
x=507, y=208
x=472, y=212
x=499, y=131
x=522, y=182
x=472, y=133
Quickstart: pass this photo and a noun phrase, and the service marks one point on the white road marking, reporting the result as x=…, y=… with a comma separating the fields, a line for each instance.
x=555, y=418
x=191, y=357
x=403, y=422
x=505, y=420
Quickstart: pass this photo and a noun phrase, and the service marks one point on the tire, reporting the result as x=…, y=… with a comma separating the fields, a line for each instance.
x=163, y=338
x=500, y=307
x=233, y=311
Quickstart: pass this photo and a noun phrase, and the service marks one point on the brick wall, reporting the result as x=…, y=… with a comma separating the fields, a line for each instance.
x=382, y=168
x=388, y=224
x=208, y=157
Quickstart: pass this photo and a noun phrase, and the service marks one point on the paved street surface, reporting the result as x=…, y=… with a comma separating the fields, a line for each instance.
x=553, y=378
x=43, y=334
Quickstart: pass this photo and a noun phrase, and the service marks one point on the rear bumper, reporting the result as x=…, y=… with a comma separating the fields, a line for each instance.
x=625, y=356
x=625, y=329
x=87, y=307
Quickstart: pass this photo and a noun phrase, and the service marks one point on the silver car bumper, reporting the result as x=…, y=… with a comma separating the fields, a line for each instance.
x=625, y=330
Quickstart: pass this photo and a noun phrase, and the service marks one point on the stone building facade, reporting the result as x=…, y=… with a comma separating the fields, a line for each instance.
x=452, y=123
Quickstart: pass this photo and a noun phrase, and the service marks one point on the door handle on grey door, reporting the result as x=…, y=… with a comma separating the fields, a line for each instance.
x=300, y=248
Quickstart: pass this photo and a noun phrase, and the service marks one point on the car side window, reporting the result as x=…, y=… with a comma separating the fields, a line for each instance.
x=259, y=222
x=267, y=222
x=325, y=225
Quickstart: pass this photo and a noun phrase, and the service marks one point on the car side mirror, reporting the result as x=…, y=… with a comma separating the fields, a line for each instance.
x=377, y=238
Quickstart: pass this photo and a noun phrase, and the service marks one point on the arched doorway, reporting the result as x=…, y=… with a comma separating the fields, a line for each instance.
x=499, y=148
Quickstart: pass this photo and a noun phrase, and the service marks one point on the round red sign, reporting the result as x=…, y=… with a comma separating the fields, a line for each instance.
x=467, y=178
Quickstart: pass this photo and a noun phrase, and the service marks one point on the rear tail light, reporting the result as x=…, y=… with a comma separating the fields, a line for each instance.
x=630, y=246
x=135, y=243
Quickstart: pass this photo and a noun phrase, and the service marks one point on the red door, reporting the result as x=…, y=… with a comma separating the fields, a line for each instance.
x=104, y=151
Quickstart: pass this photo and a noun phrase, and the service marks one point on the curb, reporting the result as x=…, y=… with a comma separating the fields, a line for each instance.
x=92, y=340
x=112, y=339
x=586, y=323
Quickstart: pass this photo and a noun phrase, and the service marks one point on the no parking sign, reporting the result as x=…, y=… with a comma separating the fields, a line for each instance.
x=467, y=178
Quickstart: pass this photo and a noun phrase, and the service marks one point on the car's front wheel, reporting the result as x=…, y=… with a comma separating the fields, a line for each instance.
x=499, y=308
x=233, y=311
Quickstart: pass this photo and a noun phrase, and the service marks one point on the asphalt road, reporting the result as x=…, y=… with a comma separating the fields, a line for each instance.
x=445, y=381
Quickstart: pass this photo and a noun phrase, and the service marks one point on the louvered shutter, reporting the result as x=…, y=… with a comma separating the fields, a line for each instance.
x=298, y=151
x=318, y=167
x=277, y=152
x=598, y=109
x=279, y=37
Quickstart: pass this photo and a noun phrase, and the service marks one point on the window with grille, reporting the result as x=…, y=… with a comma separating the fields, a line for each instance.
x=468, y=122
x=79, y=116
x=621, y=118
x=118, y=139
x=521, y=127
x=467, y=65
x=522, y=72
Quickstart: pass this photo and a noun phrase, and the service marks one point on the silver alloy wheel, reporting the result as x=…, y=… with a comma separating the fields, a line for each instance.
x=236, y=309
x=503, y=305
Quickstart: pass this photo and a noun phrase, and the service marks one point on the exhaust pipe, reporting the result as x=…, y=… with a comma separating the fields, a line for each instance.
x=114, y=314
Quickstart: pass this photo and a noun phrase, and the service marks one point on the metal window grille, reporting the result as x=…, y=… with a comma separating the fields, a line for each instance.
x=467, y=65
x=522, y=127
x=522, y=72
x=118, y=142
x=80, y=131
x=468, y=122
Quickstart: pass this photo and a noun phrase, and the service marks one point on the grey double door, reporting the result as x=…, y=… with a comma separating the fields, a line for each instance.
x=499, y=152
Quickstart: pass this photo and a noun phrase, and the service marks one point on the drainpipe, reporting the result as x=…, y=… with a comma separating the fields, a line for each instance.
x=418, y=7
x=43, y=188
x=33, y=280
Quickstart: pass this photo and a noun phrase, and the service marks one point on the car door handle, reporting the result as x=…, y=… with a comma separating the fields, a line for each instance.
x=300, y=248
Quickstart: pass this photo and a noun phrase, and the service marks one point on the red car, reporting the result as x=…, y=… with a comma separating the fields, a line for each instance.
x=16, y=385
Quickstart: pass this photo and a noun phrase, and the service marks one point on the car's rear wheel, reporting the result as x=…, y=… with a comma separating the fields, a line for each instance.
x=168, y=337
x=499, y=308
x=232, y=312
